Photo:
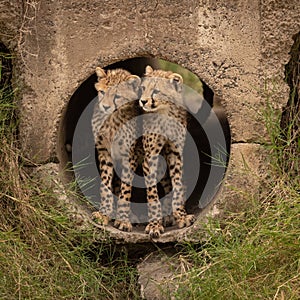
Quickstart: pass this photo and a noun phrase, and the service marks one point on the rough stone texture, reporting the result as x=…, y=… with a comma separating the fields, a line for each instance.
x=279, y=23
x=229, y=39
x=234, y=46
x=10, y=22
x=158, y=274
x=50, y=177
x=247, y=171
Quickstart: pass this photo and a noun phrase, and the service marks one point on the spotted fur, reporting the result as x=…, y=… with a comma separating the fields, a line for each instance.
x=164, y=131
x=115, y=132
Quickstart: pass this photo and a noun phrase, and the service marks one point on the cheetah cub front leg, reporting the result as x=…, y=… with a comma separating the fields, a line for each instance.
x=122, y=207
x=180, y=215
x=100, y=218
x=154, y=229
x=150, y=165
x=103, y=216
x=182, y=218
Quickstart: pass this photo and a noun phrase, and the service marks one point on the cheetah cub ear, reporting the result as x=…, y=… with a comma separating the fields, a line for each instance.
x=176, y=80
x=97, y=86
x=100, y=73
x=134, y=81
x=148, y=70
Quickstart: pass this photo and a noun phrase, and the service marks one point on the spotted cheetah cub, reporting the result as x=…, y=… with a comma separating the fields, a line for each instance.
x=115, y=131
x=164, y=128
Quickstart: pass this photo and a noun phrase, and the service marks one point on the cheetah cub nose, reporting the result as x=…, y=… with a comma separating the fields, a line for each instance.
x=143, y=102
x=106, y=107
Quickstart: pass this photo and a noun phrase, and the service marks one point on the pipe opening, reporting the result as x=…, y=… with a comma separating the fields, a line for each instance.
x=206, y=151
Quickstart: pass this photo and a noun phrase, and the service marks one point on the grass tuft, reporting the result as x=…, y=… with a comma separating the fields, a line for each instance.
x=251, y=255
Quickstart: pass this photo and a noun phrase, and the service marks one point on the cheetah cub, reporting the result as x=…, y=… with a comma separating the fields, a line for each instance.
x=115, y=131
x=164, y=129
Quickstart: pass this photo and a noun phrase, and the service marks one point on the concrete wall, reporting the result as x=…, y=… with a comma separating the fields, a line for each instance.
x=234, y=46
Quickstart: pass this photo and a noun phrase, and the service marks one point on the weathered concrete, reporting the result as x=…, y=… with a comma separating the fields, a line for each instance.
x=247, y=170
x=50, y=177
x=235, y=46
x=10, y=23
x=159, y=274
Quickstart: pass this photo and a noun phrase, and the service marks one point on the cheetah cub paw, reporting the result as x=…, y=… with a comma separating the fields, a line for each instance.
x=100, y=218
x=185, y=221
x=182, y=218
x=154, y=229
x=168, y=221
x=123, y=225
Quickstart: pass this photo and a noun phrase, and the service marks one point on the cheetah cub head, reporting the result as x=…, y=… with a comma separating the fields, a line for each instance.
x=116, y=88
x=160, y=88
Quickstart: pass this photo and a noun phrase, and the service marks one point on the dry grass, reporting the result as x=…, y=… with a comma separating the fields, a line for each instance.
x=254, y=254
